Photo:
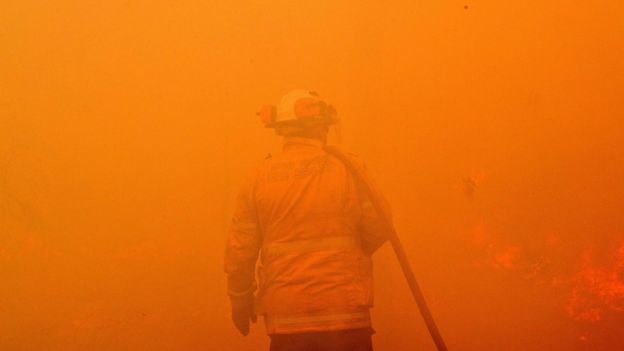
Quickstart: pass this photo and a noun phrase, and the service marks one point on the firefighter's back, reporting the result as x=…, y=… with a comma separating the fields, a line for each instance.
x=313, y=275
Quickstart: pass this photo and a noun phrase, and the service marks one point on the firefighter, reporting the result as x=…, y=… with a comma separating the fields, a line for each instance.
x=314, y=229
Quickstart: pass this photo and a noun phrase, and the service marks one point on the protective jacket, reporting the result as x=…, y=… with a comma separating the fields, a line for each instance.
x=314, y=230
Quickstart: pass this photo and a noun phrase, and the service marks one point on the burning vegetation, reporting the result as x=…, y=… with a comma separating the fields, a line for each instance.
x=589, y=283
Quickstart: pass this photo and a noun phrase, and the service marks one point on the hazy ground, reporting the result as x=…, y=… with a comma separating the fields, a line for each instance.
x=494, y=128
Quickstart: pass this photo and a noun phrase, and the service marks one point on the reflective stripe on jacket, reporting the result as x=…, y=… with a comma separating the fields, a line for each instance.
x=315, y=232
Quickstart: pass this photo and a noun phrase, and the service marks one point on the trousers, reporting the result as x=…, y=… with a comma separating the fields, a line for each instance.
x=341, y=340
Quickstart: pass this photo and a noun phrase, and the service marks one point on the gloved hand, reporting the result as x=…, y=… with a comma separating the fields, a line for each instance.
x=243, y=312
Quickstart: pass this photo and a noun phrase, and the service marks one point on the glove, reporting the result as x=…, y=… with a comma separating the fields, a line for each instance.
x=243, y=312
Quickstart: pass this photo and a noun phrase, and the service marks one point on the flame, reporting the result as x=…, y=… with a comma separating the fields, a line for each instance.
x=507, y=257
x=497, y=254
x=591, y=293
x=598, y=289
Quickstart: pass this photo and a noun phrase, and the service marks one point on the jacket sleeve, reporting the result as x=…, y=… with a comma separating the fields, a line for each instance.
x=243, y=245
x=373, y=225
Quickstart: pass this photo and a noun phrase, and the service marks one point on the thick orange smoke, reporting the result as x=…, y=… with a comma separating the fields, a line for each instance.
x=493, y=127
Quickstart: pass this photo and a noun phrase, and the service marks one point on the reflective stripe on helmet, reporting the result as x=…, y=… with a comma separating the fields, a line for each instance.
x=296, y=106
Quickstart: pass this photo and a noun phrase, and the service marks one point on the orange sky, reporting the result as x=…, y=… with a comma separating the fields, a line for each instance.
x=494, y=128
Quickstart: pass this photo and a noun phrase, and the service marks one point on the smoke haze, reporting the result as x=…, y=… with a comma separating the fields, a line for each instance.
x=493, y=127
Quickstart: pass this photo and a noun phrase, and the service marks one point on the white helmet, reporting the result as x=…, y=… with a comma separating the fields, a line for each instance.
x=297, y=106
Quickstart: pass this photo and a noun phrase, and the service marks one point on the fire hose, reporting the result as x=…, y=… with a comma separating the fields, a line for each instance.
x=376, y=200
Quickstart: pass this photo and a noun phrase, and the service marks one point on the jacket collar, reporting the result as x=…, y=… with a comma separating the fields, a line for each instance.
x=297, y=142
